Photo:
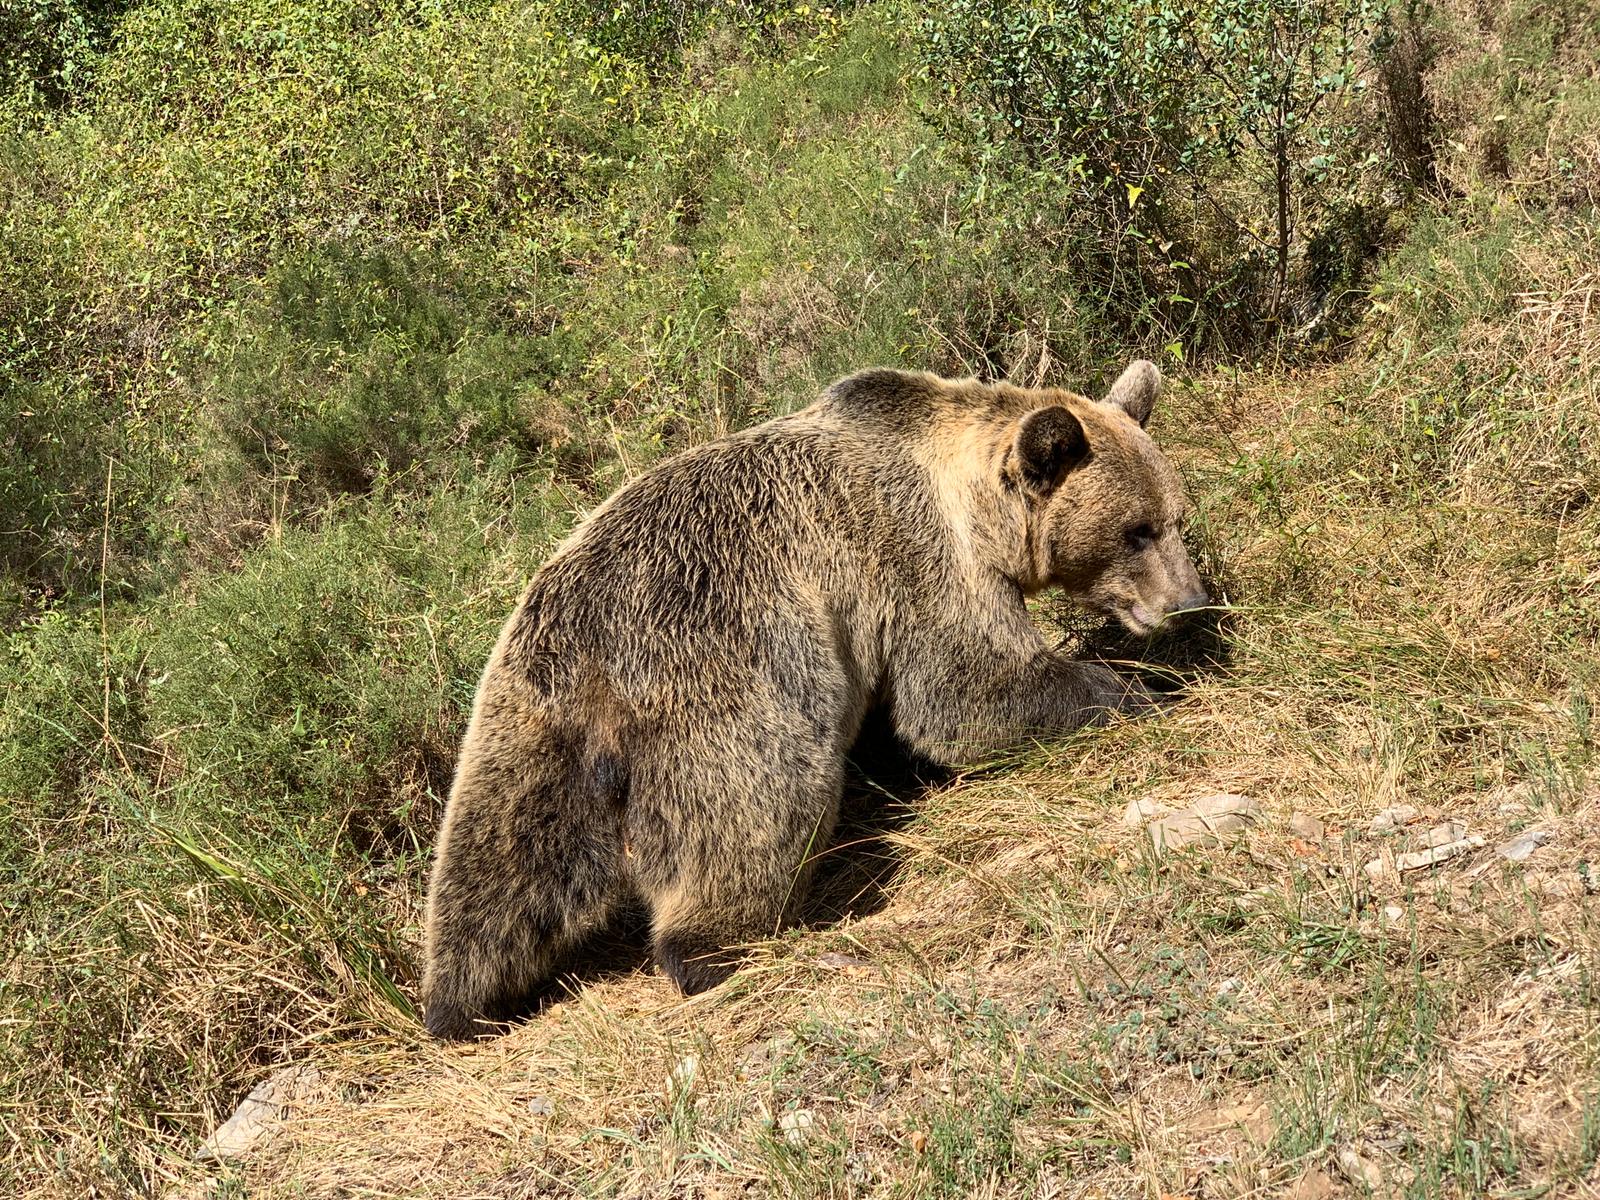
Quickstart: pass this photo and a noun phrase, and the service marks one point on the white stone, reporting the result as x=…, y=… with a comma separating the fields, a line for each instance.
x=1304, y=825
x=796, y=1126
x=269, y=1104
x=1434, y=855
x=1524, y=844
x=682, y=1076
x=1140, y=811
x=1210, y=821
x=1443, y=835
x=1393, y=818
x=1358, y=1170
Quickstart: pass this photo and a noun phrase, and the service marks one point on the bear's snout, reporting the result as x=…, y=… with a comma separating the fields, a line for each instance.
x=1157, y=608
x=1147, y=618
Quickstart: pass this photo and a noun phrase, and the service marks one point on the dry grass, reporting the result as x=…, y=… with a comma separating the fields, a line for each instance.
x=1043, y=1007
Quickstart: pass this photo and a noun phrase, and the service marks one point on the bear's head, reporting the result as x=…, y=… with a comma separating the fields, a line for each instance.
x=1104, y=507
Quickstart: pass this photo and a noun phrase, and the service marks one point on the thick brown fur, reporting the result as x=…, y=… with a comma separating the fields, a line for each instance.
x=666, y=716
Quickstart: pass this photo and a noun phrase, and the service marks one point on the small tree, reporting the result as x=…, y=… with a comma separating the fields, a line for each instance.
x=1281, y=63
x=1209, y=135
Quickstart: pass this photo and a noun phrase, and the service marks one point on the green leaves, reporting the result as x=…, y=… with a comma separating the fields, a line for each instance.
x=49, y=50
x=1190, y=125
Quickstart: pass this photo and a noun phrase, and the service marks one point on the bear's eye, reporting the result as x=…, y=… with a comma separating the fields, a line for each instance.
x=1140, y=536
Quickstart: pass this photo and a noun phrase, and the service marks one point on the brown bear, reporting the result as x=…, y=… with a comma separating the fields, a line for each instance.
x=666, y=715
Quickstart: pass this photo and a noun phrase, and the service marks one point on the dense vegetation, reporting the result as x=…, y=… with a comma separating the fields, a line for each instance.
x=320, y=323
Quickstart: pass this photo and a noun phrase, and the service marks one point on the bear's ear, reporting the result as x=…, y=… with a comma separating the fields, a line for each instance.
x=1136, y=389
x=1050, y=442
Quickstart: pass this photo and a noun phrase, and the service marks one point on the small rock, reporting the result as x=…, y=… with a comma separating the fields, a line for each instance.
x=1360, y=1171
x=1394, y=817
x=680, y=1079
x=1432, y=857
x=834, y=961
x=1524, y=844
x=1442, y=835
x=1378, y=867
x=540, y=1106
x=796, y=1126
x=1393, y=913
x=269, y=1104
x=1517, y=849
x=1304, y=825
x=1249, y=1115
x=1208, y=822
x=1317, y=1185
x=1140, y=811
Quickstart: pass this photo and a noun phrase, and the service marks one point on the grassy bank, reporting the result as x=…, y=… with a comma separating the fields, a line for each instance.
x=322, y=325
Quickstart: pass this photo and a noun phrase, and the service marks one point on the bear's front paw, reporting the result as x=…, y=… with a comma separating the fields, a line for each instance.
x=1117, y=692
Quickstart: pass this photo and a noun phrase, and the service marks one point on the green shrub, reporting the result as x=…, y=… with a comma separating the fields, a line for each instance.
x=354, y=366
x=320, y=685
x=49, y=50
x=247, y=127
x=71, y=713
x=655, y=32
x=1206, y=144
x=90, y=409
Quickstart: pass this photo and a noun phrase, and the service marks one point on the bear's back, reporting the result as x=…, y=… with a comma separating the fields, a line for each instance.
x=716, y=550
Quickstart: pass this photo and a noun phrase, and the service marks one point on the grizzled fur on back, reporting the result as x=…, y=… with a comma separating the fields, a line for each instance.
x=666, y=715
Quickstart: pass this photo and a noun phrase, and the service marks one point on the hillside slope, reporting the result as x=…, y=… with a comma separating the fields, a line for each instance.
x=321, y=325
x=1042, y=1005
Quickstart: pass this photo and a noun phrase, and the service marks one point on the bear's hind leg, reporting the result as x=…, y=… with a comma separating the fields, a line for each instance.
x=732, y=885
x=486, y=971
x=495, y=942
x=692, y=939
x=728, y=809
x=516, y=887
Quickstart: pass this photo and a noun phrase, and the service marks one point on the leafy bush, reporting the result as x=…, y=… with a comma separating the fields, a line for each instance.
x=655, y=32
x=1206, y=144
x=354, y=366
x=68, y=700
x=49, y=50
